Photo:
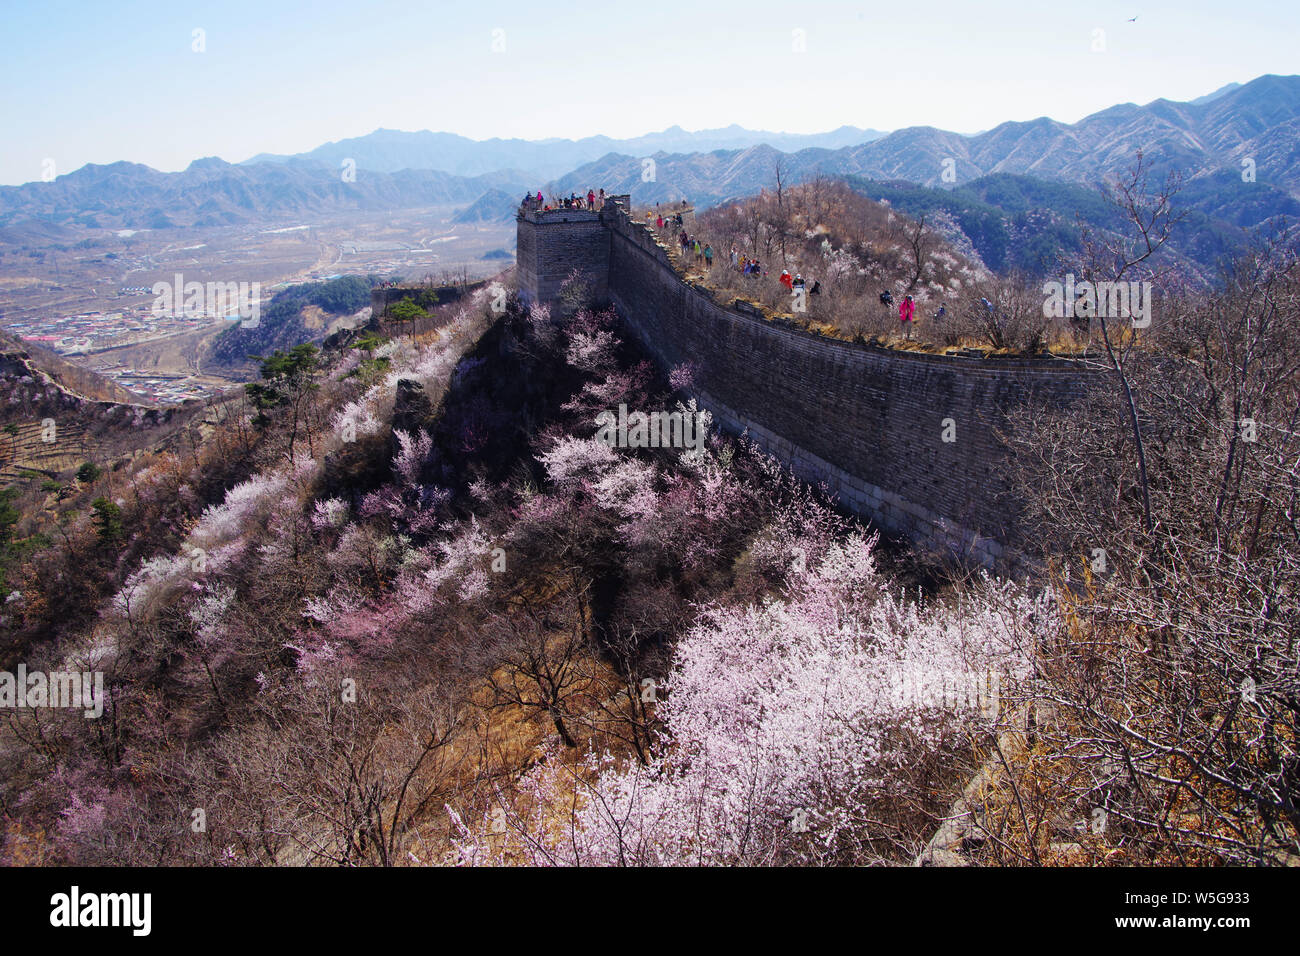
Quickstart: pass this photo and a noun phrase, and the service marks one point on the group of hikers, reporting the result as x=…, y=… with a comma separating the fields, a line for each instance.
x=593, y=200
x=674, y=219
x=702, y=251
x=689, y=245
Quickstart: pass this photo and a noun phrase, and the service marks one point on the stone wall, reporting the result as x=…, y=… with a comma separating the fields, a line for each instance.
x=552, y=243
x=869, y=422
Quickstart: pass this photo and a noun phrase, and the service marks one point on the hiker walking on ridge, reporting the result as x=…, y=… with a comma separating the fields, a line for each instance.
x=787, y=281
x=708, y=256
x=906, y=314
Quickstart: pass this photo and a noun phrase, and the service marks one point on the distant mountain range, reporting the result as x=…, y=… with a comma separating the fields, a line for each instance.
x=1259, y=121
x=211, y=192
x=390, y=150
x=1211, y=142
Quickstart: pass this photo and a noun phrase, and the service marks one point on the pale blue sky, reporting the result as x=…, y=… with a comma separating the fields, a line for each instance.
x=99, y=81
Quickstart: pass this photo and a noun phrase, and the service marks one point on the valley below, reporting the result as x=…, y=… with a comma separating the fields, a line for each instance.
x=87, y=293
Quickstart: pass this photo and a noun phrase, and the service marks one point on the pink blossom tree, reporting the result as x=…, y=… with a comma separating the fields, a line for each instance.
x=786, y=737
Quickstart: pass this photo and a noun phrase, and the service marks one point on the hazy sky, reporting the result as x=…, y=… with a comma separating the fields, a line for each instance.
x=102, y=81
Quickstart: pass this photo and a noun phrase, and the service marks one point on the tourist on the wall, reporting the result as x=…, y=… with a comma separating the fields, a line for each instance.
x=906, y=314
x=735, y=257
x=708, y=256
x=787, y=281
x=886, y=298
x=942, y=311
x=591, y=199
x=600, y=197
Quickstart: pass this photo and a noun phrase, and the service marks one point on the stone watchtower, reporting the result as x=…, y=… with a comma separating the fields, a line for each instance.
x=552, y=243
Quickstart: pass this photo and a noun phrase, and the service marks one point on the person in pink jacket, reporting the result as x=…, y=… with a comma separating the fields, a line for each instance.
x=906, y=313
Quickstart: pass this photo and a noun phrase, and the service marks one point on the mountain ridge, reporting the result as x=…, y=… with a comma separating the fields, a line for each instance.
x=388, y=150
x=1258, y=121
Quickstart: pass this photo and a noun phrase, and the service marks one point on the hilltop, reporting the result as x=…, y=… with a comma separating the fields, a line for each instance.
x=298, y=314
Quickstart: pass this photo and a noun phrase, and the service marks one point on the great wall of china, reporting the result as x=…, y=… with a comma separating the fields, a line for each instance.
x=910, y=440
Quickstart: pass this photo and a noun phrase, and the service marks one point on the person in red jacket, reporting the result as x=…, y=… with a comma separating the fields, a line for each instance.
x=786, y=280
x=906, y=313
